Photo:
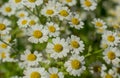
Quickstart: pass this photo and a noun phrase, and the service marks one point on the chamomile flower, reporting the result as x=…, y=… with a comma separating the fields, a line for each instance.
x=23, y=22
x=88, y=4
x=31, y=59
x=38, y=34
x=100, y=30
x=111, y=55
x=22, y=14
x=75, y=65
x=4, y=26
x=64, y=13
x=33, y=21
x=54, y=73
x=109, y=74
x=111, y=38
x=99, y=23
x=97, y=68
x=58, y=48
x=49, y=11
x=75, y=44
x=35, y=73
x=7, y=9
x=17, y=3
x=53, y=29
x=76, y=22
x=117, y=70
x=4, y=47
x=32, y=3
x=70, y=2
x=103, y=44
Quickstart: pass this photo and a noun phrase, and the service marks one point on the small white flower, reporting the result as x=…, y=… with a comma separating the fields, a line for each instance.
x=53, y=29
x=16, y=3
x=116, y=69
x=111, y=55
x=75, y=44
x=7, y=9
x=33, y=20
x=69, y=2
x=88, y=4
x=99, y=23
x=31, y=59
x=35, y=73
x=32, y=3
x=22, y=14
x=76, y=22
x=54, y=73
x=38, y=34
x=58, y=48
x=23, y=22
x=4, y=26
x=111, y=38
x=75, y=65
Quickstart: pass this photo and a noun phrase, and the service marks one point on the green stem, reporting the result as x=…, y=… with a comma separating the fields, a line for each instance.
x=96, y=52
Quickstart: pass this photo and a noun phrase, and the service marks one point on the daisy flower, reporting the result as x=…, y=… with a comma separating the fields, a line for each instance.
x=88, y=4
x=103, y=44
x=32, y=3
x=35, y=73
x=4, y=26
x=96, y=68
x=58, y=48
x=23, y=22
x=111, y=55
x=75, y=44
x=33, y=21
x=38, y=34
x=64, y=13
x=99, y=23
x=54, y=73
x=49, y=10
x=7, y=9
x=116, y=69
x=53, y=29
x=31, y=59
x=109, y=74
x=76, y=21
x=75, y=65
x=111, y=38
x=17, y=3
x=69, y=2
x=22, y=14
x=4, y=47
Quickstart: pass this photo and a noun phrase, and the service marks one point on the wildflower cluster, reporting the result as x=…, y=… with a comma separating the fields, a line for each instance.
x=59, y=39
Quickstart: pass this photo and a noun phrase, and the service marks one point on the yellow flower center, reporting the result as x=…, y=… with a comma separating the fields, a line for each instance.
x=2, y=26
x=87, y=3
x=3, y=55
x=32, y=1
x=52, y=29
x=64, y=13
x=97, y=68
x=17, y=1
x=8, y=9
x=32, y=22
x=111, y=38
x=37, y=34
x=31, y=57
x=35, y=75
x=111, y=55
x=108, y=76
x=58, y=47
x=24, y=22
x=3, y=45
x=68, y=0
x=75, y=21
x=75, y=64
x=75, y=44
x=118, y=70
x=21, y=14
x=49, y=12
x=54, y=76
x=99, y=24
